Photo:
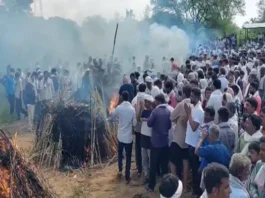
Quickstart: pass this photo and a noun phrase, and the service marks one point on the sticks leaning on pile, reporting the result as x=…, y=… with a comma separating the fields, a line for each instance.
x=17, y=179
x=75, y=134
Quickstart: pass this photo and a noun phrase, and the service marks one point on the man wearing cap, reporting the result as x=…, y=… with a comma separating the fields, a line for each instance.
x=151, y=89
x=145, y=112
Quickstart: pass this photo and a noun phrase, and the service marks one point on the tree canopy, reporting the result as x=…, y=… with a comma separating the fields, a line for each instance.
x=216, y=14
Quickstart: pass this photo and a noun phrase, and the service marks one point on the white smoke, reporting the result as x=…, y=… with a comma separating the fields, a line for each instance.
x=59, y=39
x=78, y=10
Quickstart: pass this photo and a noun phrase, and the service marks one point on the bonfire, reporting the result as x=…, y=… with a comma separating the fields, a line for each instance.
x=17, y=179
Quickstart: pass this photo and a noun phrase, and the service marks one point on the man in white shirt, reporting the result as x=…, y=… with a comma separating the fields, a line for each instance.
x=127, y=119
x=233, y=119
x=18, y=96
x=195, y=119
x=151, y=89
x=166, y=66
x=136, y=103
x=46, y=89
x=216, y=98
x=222, y=78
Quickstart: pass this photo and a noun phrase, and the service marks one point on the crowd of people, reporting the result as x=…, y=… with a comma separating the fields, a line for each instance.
x=29, y=91
x=207, y=117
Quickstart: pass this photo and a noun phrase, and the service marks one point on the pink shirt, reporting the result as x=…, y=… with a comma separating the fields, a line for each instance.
x=258, y=99
x=172, y=99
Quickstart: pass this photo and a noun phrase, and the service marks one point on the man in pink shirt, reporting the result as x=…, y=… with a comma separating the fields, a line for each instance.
x=253, y=90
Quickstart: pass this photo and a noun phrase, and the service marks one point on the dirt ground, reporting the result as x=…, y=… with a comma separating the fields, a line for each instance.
x=99, y=182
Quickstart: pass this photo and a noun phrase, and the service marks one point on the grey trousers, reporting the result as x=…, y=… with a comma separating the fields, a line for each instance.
x=146, y=161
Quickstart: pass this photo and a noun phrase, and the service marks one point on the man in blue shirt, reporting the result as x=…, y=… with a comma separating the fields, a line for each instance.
x=160, y=123
x=9, y=84
x=215, y=151
x=127, y=86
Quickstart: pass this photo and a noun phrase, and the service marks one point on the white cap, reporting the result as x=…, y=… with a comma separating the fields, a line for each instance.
x=208, y=62
x=148, y=79
x=149, y=98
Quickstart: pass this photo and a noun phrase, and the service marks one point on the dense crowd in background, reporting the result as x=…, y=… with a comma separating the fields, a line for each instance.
x=206, y=116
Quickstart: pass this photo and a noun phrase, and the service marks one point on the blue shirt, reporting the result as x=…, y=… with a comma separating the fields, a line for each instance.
x=146, y=113
x=216, y=152
x=9, y=83
x=160, y=123
x=129, y=88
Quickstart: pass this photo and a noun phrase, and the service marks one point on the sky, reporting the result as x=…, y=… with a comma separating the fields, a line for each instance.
x=78, y=9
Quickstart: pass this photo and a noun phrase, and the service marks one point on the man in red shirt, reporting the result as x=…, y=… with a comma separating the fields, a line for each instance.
x=174, y=65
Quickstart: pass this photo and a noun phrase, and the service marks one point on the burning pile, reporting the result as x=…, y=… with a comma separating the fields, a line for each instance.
x=16, y=178
x=113, y=102
x=75, y=134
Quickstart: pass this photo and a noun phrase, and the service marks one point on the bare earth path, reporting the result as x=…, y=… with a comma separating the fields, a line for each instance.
x=99, y=182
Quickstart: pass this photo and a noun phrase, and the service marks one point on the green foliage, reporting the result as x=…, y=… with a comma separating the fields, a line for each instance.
x=261, y=11
x=210, y=14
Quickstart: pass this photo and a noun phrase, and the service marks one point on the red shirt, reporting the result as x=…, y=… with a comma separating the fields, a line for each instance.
x=174, y=66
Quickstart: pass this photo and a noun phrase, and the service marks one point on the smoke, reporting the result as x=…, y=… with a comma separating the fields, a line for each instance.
x=27, y=39
x=78, y=10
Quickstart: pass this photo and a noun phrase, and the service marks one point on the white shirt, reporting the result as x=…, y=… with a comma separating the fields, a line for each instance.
x=19, y=88
x=145, y=130
x=180, y=77
x=46, y=89
x=234, y=124
x=140, y=96
x=170, y=132
x=153, y=92
x=166, y=67
x=224, y=82
x=127, y=119
x=193, y=137
x=215, y=101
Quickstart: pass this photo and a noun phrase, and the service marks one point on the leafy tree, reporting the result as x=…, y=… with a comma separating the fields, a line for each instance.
x=199, y=13
x=261, y=11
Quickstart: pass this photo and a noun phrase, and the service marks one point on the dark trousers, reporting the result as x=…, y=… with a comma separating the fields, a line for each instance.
x=196, y=176
x=128, y=151
x=19, y=108
x=11, y=101
x=159, y=158
x=138, y=152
